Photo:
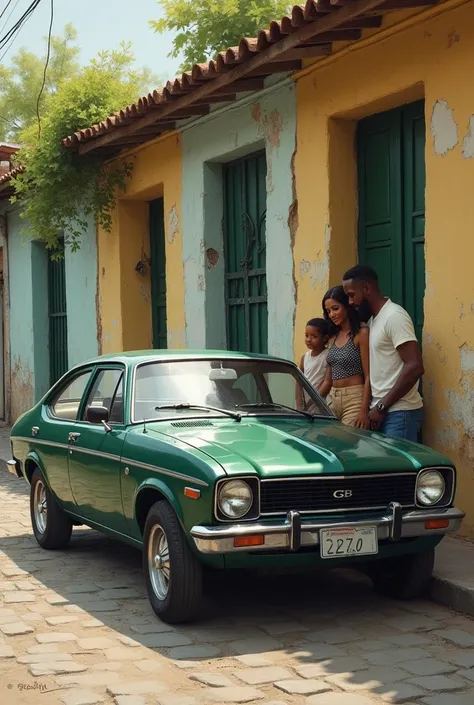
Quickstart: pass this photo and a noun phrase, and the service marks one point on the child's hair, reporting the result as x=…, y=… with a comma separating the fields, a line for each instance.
x=338, y=294
x=320, y=324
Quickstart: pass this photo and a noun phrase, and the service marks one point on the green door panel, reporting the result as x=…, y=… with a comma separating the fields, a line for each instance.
x=245, y=254
x=158, y=274
x=391, y=173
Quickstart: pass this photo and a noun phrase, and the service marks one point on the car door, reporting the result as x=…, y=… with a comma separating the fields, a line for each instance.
x=94, y=453
x=50, y=436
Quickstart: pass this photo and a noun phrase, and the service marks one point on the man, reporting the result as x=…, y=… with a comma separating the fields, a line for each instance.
x=396, y=364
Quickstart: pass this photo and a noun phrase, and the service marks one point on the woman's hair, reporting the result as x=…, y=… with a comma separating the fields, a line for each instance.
x=321, y=324
x=338, y=294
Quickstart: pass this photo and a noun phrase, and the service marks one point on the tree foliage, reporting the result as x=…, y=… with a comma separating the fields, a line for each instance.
x=205, y=27
x=60, y=190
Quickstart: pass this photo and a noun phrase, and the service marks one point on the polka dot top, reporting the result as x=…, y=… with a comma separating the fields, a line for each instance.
x=345, y=361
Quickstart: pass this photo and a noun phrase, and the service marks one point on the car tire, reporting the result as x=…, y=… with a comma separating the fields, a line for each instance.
x=51, y=526
x=175, y=588
x=404, y=578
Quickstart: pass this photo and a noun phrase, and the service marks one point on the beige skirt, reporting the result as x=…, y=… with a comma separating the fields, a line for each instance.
x=346, y=403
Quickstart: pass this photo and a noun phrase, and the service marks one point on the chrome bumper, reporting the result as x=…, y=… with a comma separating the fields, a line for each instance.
x=13, y=467
x=293, y=533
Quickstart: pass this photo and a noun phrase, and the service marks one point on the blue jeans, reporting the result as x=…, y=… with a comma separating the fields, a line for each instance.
x=403, y=424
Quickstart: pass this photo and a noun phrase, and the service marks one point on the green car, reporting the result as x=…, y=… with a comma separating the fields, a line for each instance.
x=202, y=459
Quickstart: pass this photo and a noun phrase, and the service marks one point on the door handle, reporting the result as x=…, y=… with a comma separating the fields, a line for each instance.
x=35, y=430
x=72, y=438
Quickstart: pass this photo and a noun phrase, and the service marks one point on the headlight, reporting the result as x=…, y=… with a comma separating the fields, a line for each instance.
x=235, y=498
x=430, y=487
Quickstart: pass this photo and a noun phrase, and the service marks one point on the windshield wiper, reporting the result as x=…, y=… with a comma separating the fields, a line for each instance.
x=271, y=405
x=187, y=405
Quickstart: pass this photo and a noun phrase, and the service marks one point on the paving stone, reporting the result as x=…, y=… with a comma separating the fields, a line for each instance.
x=81, y=588
x=450, y=699
x=91, y=623
x=62, y=619
x=213, y=635
x=407, y=640
x=400, y=693
x=55, y=668
x=42, y=649
x=171, y=699
x=130, y=700
x=428, y=667
x=119, y=653
x=254, y=660
x=95, y=643
x=259, y=676
x=136, y=688
x=108, y=666
x=164, y=640
x=45, y=658
x=302, y=687
x=330, y=666
x=371, y=645
x=216, y=680
x=113, y=584
x=154, y=627
x=55, y=637
x=16, y=629
x=338, y=635
x=255, y=646
x=119, y=594
x=316, y=652
x=6, y=651
x=339, y=699
x=412, y=622
x=279, y=628
x=56, y=600
x=438, y=683
x=468, y=674
x=367, y=680
x=457, y=636
x=191, y=653
x=88, y=679
x=26, y=585
x=75, y=696
x=460, y=657
x=96, y=606
x=149, y=666
x=236, y=694
x=128, y=641
x=395, y=656
x=17, y=597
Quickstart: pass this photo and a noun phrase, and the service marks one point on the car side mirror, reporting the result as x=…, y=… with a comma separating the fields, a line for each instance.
x=97, y=415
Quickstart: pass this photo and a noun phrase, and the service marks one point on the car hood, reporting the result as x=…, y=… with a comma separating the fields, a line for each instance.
x=281, y=447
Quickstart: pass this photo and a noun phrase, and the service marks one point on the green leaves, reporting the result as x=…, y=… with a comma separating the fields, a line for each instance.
x=59, y=190
x=205, y=27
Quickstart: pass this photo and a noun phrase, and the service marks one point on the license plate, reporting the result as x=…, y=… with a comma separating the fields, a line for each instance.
x=340, y=543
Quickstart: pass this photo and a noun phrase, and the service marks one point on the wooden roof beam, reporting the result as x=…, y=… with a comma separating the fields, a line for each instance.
x=302, y=35
x=310, y=52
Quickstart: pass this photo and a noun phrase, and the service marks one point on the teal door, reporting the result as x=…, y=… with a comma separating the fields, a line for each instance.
x=57, y=315
x=158, y=274
x=391, y=173
x=245, y=204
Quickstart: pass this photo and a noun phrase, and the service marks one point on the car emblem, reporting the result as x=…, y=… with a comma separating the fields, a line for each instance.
x=342, y=494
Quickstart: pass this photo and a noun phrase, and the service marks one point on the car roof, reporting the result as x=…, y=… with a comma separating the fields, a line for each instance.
x=134, y=357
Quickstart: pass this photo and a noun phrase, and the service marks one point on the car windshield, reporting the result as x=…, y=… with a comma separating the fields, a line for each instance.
x=246, y=386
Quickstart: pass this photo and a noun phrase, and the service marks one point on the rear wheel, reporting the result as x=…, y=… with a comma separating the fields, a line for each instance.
x=173, y=575
x=51, y=526
x=403, y=578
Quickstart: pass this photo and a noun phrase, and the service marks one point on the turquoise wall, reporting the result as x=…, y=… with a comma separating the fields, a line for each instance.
x=29, y=328
x=269, y=123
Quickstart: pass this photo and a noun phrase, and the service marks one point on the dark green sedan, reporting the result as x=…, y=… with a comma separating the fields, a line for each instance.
x=202, y=458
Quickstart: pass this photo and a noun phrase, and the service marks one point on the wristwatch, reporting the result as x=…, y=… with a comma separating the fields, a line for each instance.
x=381, y=407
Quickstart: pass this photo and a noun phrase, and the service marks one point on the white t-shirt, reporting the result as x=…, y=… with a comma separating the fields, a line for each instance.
x=314, y=369
x=391, y=327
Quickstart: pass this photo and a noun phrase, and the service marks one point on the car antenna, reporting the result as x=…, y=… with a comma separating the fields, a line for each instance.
x=144, y=426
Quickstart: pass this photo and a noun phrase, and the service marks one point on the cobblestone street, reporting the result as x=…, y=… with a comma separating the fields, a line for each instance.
x=76, y=628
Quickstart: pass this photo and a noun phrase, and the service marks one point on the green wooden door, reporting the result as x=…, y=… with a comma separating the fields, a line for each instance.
x=391, y=172
x=158, y=274
x=245, y=203
x=57, y=314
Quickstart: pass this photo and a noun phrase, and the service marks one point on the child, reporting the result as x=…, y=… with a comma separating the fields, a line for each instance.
x=313, y=363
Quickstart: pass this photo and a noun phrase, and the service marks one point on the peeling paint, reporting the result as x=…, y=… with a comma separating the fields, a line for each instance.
x=453, y=38
x=212, y=257
x=201, y=282
x=444, y=129
x=467, y=359
x=23, y=388
x=144, y=293
x=293, y=222
x=272, y=127
x=256, y=112
x=173, y=223
x=468, y=142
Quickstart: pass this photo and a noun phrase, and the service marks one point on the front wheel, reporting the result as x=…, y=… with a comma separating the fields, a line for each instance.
x=173, y=575
x=403, y=578
x=51, y=526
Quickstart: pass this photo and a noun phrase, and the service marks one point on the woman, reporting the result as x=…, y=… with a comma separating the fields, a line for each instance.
x=347, y=379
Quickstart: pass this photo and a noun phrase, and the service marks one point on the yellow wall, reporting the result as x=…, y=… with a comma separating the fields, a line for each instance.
x=124, y=300
x=430, y=56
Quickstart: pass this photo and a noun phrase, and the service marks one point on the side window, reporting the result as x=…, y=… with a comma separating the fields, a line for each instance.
x=107, y=391
x=66, y=404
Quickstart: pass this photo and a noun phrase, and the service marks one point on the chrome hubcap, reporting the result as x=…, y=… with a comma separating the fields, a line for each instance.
x=40, y=507
x=159, y=562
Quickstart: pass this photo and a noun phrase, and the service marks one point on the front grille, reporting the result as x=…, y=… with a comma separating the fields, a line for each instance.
x=317, y=494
